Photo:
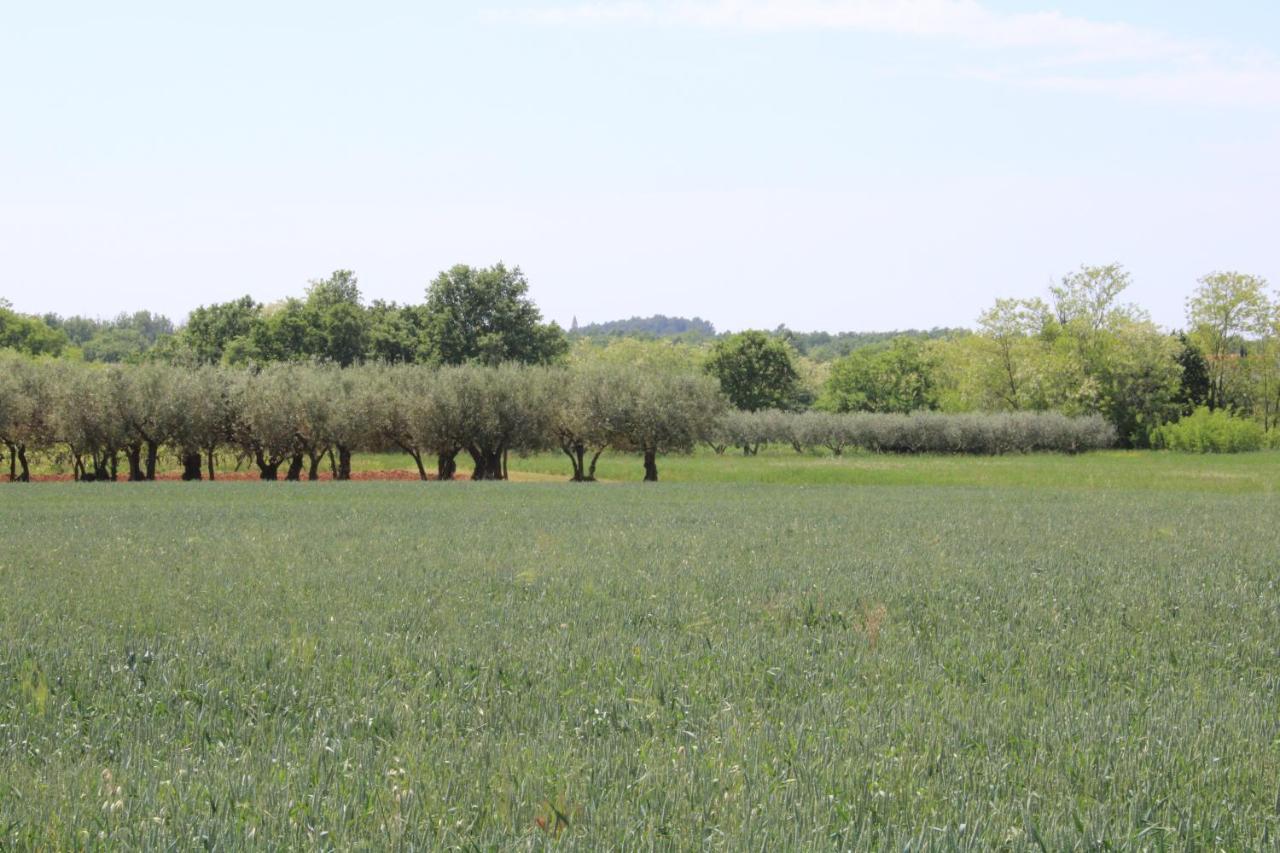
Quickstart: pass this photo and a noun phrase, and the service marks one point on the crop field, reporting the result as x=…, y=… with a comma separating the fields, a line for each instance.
x=938, y=659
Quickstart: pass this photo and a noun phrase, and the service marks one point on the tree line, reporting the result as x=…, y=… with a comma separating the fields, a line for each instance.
x=293, y=421
x=1080, y=349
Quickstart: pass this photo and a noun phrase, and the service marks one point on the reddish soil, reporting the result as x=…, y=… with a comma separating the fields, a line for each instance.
x=233, y=476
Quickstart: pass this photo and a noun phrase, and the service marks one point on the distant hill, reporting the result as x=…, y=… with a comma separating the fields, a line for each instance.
x=825, y=346
x=657, y=326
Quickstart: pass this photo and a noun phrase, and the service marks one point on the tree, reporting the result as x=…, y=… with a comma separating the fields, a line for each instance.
x=1138, y=378
x=210, y=330
x=28, y=411
x=335, y=311
x=1221, y=313
x=86, y=419
x=115, y=346
x=29, y=335
x=396, y=334
x=1088, y=297
x=1194, y=387
x=18, y=410
x=418, y=413
x=202, y=417
x=503, y=409
x=142, y=397
x=485, y=316
x=268, y=416
x=1013, y=328
x=894, y=378
x=755, y=371
x=282, y=331
x=662, y=412
x=580, y=416
x=353, y=397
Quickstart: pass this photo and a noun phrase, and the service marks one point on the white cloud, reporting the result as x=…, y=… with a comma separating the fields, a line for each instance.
x=1069, y=53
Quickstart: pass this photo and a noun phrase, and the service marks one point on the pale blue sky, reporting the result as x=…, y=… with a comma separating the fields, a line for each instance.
x=833, y=164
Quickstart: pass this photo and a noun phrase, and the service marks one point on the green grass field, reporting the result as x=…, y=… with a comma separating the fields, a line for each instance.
x=962, y=660
x=1144, y=470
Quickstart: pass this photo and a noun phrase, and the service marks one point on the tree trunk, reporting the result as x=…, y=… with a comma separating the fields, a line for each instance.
x=417, y=460
x=267, y=469
x=591, y=471
x=209, y=460
x=504, y=463
x=295, y=469
x=651, y=466
x=153, y=453
x=133, y=453
x=313, y=471
x=104, y=466
x=488, y=464
x=343, y=471
x=25, y=475
x=190, y=466
x=575, y=451
x=446, y=465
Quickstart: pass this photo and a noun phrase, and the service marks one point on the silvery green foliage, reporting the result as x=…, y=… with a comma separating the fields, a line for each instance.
x=91, y=414
x=928, y=432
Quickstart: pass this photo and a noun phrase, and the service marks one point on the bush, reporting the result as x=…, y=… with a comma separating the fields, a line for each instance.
x=1205, y=431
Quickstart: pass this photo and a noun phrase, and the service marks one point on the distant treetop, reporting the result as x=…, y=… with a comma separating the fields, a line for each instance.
x=657, y=326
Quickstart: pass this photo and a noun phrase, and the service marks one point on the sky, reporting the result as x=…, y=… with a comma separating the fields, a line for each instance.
x=823, y=164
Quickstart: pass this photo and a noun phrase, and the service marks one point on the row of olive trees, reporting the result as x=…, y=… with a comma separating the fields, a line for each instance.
x=117, y=420
x=921, y=432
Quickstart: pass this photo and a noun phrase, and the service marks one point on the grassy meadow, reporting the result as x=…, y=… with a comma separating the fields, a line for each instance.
x=1019, y=653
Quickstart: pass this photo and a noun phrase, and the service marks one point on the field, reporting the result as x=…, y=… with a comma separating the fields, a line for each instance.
x=1031, y=653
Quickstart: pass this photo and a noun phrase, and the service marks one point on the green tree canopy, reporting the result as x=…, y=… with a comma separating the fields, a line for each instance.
x=486, y=316
x=29, y=335
x=211, y=329
x=756, y=371
x=898, y=377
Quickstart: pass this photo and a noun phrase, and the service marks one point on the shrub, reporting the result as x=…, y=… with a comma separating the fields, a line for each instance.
x=922, y=432
x=1205, y=431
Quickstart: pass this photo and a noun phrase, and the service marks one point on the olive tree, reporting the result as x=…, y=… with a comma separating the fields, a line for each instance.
x=87, y=421
x=663, y=413
x=24, y=411
x=351, y=422
x=200, y=416
x=142, y=397
x=415, y=414
x=267, y=417
x=502, y=409
x=580, y=415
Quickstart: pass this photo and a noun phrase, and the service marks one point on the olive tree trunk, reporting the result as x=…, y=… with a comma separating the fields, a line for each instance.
x=488, y=463
x=133, y=454
x=190, y=465
x=153, y=453
x=268, y=469
x=446, y=465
